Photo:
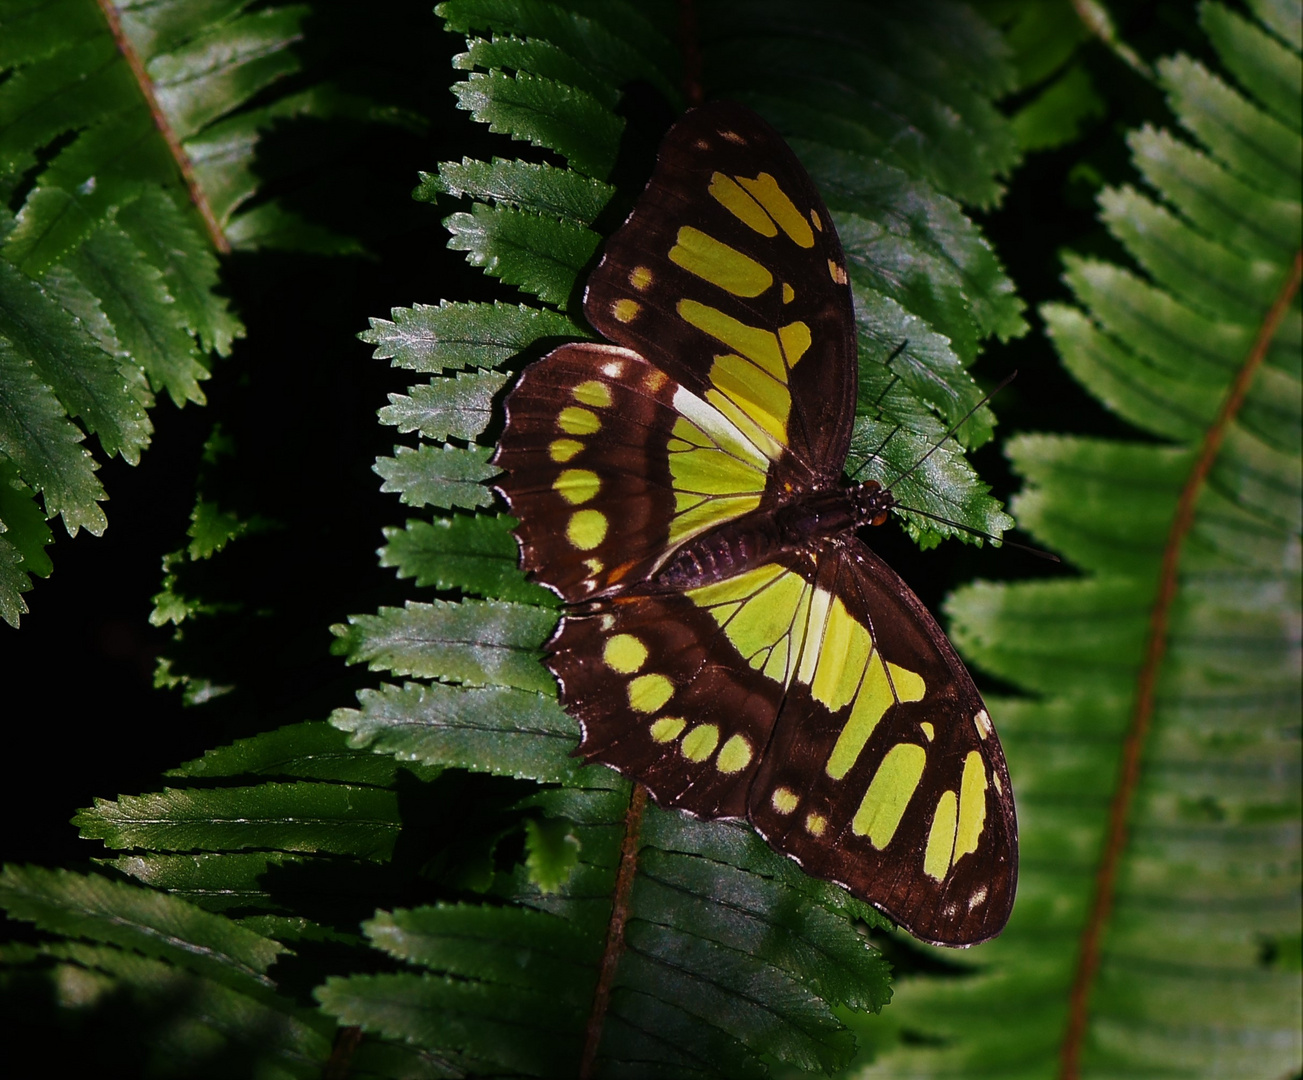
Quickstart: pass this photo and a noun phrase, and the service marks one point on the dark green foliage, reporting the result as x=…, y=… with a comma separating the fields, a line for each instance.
x=108, y=279
x=433, y=864
x=150, y=923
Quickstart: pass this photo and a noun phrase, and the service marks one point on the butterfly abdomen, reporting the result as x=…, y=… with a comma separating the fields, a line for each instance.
x=721, y=553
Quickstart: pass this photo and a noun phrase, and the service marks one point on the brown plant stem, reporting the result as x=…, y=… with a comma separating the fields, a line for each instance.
x=337, y=1066
x=182, y=159
x=690, y=43
x=615, y=930
x=1143, y=709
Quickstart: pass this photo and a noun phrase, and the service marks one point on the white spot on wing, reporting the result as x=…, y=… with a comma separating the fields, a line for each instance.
x=977, y=898
x=613, y=370
x=982, y=721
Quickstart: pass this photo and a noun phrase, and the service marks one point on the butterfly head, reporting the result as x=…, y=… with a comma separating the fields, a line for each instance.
x=872, y=503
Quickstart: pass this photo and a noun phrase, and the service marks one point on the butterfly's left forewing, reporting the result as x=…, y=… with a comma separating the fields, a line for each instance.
x=610, y=464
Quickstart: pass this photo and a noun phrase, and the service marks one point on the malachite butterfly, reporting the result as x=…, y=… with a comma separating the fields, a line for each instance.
x=728, y=640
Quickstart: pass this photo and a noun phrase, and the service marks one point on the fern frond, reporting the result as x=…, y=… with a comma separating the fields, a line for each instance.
x=1157, y=763
x=727, y=954
x=128, y=139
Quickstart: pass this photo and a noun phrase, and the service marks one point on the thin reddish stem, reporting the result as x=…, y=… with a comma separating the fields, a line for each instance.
x=615, y=930
x=1143, y=710
x=337, y=1066
x=182, y=159
x=690, y=42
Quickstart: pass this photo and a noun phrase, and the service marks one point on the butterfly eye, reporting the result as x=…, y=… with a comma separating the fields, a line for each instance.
x=880, y=518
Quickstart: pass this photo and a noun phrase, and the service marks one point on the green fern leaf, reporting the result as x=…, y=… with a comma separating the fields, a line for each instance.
x=462, y=411
x=538, y=57
x=337, y=819
x=541, y=255
x=477, y=555
x=128, y=138
x=545, y=113
x=151, y=923
x=494, y=729
x=541, y=188
x=432, y=339
x=480, y=642
x=1158, y=766
x=437, y=476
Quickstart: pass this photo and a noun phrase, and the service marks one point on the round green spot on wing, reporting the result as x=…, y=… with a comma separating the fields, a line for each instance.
x=667, y=728
x=577, y=485
x=735, y=755
x=700, y=742
x=576, y=421
x=647, y=693
x=562, y=450
x=593, y=393
x=624, y=653
x=587, y=529
x=784, y=800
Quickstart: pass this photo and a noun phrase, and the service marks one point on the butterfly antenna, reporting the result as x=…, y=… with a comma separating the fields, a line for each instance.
x=962, y=421
x=877, y=450
x=1049, y=556
x=895, y=378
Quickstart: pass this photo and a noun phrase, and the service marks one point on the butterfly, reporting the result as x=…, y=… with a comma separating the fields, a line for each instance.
x=728, y=640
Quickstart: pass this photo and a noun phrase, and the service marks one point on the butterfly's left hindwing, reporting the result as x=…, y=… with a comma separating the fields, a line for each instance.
x=660, y=695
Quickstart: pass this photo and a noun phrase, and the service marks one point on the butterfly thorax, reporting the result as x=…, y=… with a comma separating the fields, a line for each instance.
x=800, y=521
